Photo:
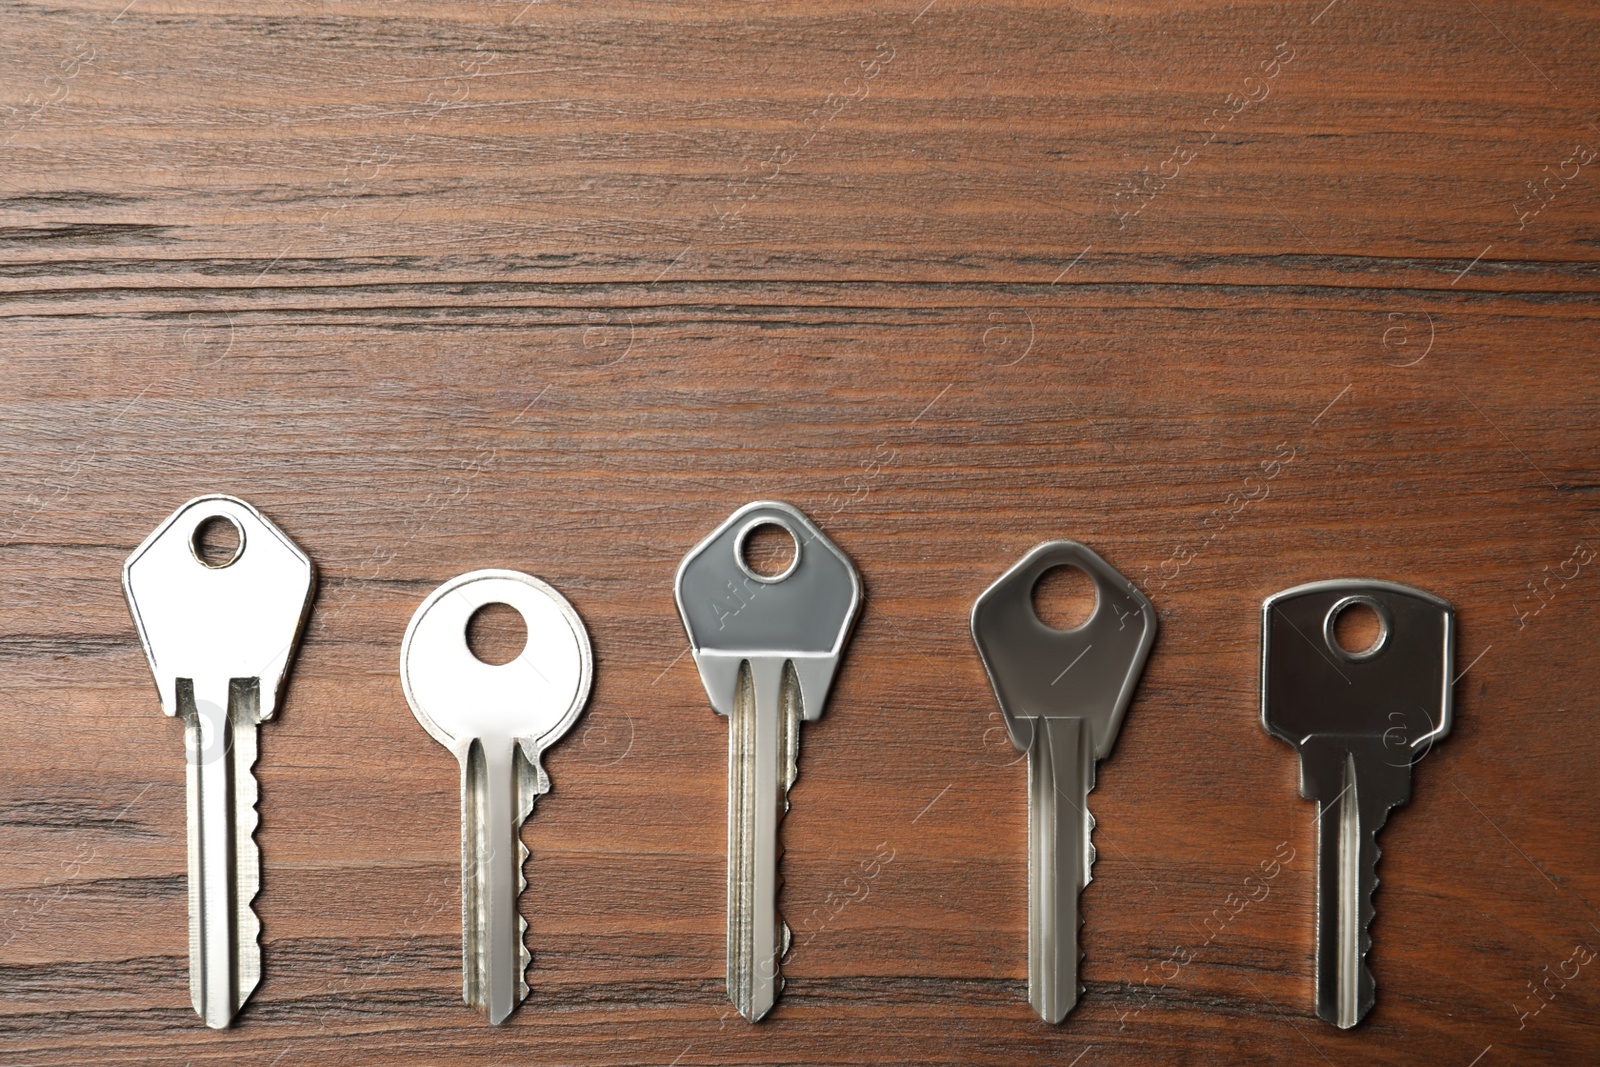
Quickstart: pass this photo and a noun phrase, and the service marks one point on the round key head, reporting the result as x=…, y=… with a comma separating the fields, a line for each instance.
x=1398, y=688
x=227, y=617
x=457, y=697
x=1085, y=673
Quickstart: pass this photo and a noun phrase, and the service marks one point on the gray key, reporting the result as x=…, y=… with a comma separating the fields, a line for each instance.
x=219, y=640
x=1062, y=694
x=497, y=720
x=1359, y=721
x=767, y=648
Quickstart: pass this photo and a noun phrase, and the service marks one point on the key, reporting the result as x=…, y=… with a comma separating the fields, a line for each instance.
x=1062, y=694
x=767, y=648
x=219, y=639
x=497, y=720
x=1359, y=721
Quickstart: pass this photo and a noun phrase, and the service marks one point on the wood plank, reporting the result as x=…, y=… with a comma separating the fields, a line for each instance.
x=447, y=286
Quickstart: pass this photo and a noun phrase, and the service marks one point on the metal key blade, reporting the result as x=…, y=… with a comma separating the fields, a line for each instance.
x=1062, y=695
x=497, y=719
x=763, y=757
x=1060, y=856
x=767, y=648
x=1343, y=901
x=497, y=795
x=224, y=862
x=1355, y=782
x=219, y=640
x=1359, y=721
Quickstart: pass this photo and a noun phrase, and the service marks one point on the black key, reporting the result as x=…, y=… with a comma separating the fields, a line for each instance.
x=1359, y=721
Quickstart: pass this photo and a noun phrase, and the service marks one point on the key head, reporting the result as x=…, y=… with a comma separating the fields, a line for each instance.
x=240, y=619
x=1039, y=672
x=533, y=699
x=803, y=615
x=1397, y=690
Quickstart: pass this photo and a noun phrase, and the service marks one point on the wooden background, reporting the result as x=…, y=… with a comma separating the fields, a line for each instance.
x=558, y=285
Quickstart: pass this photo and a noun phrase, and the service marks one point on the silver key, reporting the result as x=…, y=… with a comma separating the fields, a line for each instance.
x=767, y=648
x=1063, y=694
x=1359, y=721
x=497, y=720
x=219, y=640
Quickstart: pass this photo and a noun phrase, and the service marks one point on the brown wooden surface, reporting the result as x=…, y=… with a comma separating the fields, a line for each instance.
x=451, y=285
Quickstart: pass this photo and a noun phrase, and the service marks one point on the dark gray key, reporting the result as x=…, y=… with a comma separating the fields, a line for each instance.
x=1359, y=721
x=1062, y=694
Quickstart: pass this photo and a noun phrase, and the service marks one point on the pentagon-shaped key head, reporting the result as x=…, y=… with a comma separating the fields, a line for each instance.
x=1038, y=672
x=241, y=619
x=803, y=615
x=1062, y=694
x=219, y=637
x=784, y=635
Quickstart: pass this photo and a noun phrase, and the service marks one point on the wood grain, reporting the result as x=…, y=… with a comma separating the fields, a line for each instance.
x=557, y=286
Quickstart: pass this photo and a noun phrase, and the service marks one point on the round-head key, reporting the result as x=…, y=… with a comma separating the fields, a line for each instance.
x=458, y=698
x=497, y=720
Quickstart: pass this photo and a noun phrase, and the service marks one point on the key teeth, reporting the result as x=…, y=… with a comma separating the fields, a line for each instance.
x=1364, y=942
x=522, y=925
x=1089, y=855
x=250, y=922
x=793, y=680
x=1329, y=1004
x=785, y=942
x=532, y=783
x=1077, y=971
x=246, y=742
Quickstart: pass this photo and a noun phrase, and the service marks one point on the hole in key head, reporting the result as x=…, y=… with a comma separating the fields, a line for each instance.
x=1065, y=597
x=217, y=542
x=1356, y=627
x=497, y=634
x=768, y=550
